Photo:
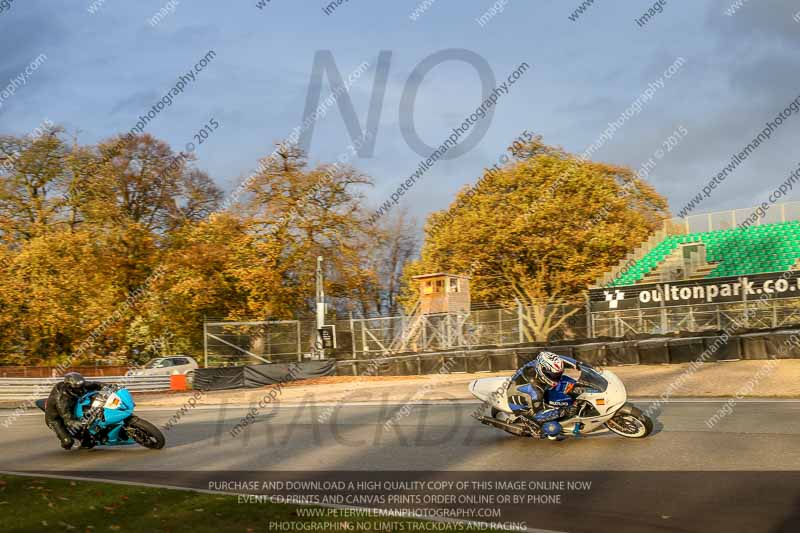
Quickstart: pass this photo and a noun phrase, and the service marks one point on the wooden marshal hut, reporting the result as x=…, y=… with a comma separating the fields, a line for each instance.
x=443, y=293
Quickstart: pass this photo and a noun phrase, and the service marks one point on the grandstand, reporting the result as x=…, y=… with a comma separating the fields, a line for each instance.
x=706, y=272
x=730, y=252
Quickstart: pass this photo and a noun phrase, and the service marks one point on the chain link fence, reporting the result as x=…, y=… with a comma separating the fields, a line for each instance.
x=776, y=313
x=237, y=342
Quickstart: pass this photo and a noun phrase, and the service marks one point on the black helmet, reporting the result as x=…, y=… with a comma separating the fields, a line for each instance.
x=74, y=382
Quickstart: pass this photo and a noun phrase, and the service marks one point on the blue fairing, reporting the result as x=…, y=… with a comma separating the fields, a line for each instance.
x=123, y=411
x=558, y=396
x=529, y=390
x=518, y=373
x=126, y=398
x=107, y=429
x=546, y=416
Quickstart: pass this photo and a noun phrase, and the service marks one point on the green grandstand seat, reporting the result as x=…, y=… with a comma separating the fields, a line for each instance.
x=753, y=250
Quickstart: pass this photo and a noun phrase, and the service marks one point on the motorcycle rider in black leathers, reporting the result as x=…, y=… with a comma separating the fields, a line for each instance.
x=59, y=413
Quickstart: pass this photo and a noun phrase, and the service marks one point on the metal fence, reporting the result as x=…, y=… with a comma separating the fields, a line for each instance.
x=33, y=388
x=771, y=314
x=366, y=338
x=721, y=220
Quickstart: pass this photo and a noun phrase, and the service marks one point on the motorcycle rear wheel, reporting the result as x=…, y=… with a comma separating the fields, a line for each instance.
x=145, y=433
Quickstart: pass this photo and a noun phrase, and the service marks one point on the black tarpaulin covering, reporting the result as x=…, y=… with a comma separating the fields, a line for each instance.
x=347, y=368
x=218, y=378
x=722, y=348
x=663, y=349
x=754, y=346
x=409, y=367
x=431, y=364
x=566, y=351
x=525, y=357
x=686, y=350
x=653, y=351
x=261, y=375
x=453, y=364
x=593, y=354
x=479, y=363
x=783, y=344
x=252, y=376
x=372, y=367
x=396, y=367
x=622, y=353
x=502, y=361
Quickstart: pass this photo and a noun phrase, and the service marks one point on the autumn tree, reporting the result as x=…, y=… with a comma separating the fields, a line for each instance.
x=140, y=180
x=298, y=212
x=396, y=246
x=560, y=220
x=34, y=179
x=539, y=303
x=201, y=279
x=54, y=291
x=83, y=228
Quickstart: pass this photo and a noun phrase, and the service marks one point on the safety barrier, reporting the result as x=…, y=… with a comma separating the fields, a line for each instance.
x=773, y=344
x=32, y=388
x=50, y=371
x=251, y=376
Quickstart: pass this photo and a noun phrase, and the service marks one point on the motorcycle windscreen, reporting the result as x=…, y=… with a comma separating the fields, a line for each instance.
x=593, y=378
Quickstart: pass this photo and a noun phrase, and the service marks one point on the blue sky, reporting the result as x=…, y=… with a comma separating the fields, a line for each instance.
x=105, y=69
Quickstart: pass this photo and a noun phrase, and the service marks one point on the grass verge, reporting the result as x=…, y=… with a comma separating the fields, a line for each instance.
x=31, y=504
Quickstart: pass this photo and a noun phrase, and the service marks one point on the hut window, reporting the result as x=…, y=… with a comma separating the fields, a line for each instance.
x=453, y=285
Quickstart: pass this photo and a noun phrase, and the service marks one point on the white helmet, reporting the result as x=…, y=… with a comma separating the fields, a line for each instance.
x=549, y=368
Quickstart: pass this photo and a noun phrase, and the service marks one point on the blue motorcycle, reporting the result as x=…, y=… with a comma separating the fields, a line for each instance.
x=107, y=417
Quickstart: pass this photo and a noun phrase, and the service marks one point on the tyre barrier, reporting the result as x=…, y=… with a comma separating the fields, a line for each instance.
x=775, y=344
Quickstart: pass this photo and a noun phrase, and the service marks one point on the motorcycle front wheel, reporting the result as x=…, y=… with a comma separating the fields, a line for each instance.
x=632, y=424
x=145, y=433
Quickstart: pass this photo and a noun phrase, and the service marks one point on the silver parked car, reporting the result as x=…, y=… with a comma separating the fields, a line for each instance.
x=166, y=366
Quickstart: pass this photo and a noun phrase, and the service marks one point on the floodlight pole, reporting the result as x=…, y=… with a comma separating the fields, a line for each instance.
x=205, y=343
x=319, y=351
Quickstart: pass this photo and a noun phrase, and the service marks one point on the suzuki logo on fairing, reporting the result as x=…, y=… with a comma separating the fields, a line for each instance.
x=614, y=299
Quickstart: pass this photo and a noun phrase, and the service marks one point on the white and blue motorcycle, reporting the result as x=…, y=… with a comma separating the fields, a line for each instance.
x=602, y=403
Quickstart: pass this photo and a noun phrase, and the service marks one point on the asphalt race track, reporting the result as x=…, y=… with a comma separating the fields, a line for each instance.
x=742, y=474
